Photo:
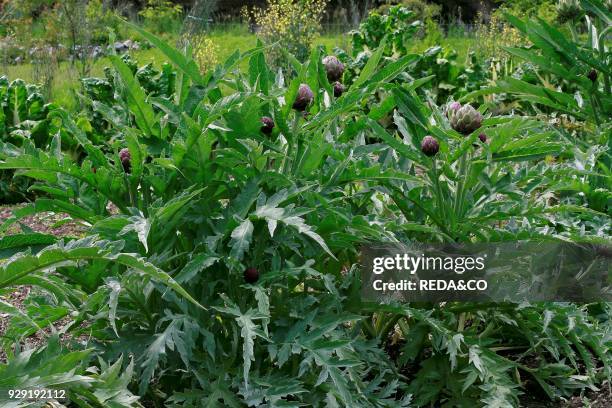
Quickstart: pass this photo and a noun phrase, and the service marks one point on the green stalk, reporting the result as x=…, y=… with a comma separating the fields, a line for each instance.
x=485, y=333
x=438, y=189
x=460, y=186
x=367, y=326
x=143, y=306
x=397, y=199
x=594, y=106
x=461, y=324
x=507, y=348
x=602, y=54
x=468, y=169
x=129, y=189
x=291, y=143
x=573, y=32
x=386, y=327
x=146, y=196
x=378, y=323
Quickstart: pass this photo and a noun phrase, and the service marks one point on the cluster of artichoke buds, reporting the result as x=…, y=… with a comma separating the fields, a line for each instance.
x=334, y=70
x=465, y=119
x=126, y=160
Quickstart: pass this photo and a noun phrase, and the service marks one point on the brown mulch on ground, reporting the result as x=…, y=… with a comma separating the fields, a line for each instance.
x=593, y=399
x=57, y=224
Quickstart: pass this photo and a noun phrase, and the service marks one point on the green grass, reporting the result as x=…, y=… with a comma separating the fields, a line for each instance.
x=66, y=84
x=462, y=45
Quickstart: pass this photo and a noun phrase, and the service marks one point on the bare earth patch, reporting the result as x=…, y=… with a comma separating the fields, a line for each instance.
x=57, y=224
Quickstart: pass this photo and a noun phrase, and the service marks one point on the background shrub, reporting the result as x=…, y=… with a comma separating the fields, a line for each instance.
x=161, y=16
x=294, y=24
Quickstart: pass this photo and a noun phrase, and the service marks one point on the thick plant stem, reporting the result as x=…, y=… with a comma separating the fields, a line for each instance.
x=602, y=54
x=146, y=196
x=485, y=333
x=438, y=189
x=385, y=327
x=460, y=186
x=468, y=169
x=461, y=323
x=573, y=32
x=594, y=107
x=292, y=145
x=128, y=186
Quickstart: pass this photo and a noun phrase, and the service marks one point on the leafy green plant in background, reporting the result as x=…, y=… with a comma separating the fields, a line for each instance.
x=106, y=98
x=422, y=10
x=399, y=23
x=161, y=16
x=24, y=115
x=448, y=78
x=584, y=92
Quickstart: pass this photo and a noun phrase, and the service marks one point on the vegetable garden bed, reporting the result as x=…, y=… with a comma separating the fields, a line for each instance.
x=193, y=238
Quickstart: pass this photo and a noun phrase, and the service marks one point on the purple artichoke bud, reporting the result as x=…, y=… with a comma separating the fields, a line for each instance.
x=304, y=98
x=333, y=67
x=338, y=89
x=267, y=125
x=430, y=146
x=251, y=275
x=126, y=159
x=466, y=119
x=592, y=75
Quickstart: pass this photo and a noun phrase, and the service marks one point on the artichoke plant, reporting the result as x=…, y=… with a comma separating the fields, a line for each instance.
x=466, y=119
